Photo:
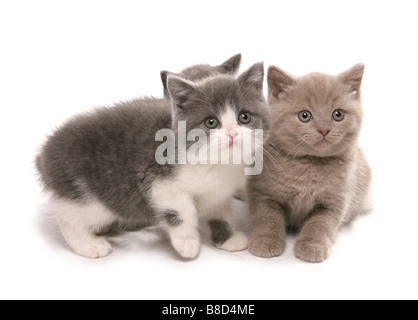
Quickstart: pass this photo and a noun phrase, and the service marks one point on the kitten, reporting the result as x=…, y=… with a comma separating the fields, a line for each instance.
x=102, y=167
x=315, y=178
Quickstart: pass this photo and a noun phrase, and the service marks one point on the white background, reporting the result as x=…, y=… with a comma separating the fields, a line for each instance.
x=59, y=58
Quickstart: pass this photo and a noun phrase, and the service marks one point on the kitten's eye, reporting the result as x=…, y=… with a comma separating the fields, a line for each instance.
x=305, y=116
x=244, y=118
x=338, y=115
x=212, y=123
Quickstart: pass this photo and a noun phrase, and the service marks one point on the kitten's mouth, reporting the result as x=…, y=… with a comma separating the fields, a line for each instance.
x=322, y=144
x=234, y=142
x=323, y=140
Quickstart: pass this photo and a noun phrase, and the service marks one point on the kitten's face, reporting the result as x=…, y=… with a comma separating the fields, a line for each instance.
x=202, y=71
x=317, y=114
x=225, y=108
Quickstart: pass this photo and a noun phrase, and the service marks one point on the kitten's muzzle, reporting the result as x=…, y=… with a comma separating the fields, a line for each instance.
x=324, y=132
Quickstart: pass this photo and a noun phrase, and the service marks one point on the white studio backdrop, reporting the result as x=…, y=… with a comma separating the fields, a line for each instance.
x=59, y=58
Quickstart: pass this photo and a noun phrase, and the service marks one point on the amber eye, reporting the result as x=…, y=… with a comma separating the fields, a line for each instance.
x=338, y=115
x=305, y=116
x=211, y=123
x=244, y=118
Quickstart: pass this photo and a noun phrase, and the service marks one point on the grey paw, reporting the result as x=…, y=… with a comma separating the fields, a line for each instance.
x=310, y=251
x=266, y=247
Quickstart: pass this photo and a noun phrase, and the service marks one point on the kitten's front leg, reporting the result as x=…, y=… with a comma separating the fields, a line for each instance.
x=223, y=233
x=178, y=215
x=268, y=238
x=182, y=227
x=318, y=235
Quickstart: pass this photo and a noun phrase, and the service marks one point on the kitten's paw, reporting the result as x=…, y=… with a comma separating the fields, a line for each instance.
x=238, y=242
x=187, y=247
x=266, y=247
x=310, y=251
x=96, y=249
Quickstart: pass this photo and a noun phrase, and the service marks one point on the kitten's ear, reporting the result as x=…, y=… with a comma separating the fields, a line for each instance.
x=164, y=78
x=353, y=77
x=179, y=90
x=231, y=65
x=253, y=78
x=278, y=81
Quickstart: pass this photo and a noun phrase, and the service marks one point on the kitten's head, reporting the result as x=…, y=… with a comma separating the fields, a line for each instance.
x=317, y=114
x=202, y=71
x=226, y=108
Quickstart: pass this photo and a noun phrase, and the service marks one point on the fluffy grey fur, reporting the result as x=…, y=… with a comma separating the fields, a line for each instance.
x=315, y=178
x=102, y=172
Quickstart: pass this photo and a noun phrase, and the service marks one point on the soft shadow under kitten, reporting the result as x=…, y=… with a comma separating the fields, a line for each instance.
x=102, y=168
x=315, y=178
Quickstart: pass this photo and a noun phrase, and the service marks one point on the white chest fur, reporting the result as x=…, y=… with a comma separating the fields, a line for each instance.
x=206, y=185
x=204, y=179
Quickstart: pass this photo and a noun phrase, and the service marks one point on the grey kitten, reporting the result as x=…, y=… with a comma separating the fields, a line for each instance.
x=103, y=171
x=315, y=178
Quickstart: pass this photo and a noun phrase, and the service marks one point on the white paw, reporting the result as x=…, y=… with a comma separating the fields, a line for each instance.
x=238, y=242
x=187, y=247
x=96, y=249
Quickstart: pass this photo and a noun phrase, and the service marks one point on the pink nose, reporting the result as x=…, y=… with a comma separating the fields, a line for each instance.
x=232, y=134
x=324, y=132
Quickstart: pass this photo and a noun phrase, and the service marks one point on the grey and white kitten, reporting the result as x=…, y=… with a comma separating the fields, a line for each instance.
x=315, y=178
x=102, y=170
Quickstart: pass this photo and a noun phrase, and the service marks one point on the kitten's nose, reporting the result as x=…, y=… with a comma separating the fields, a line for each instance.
x=324, y=132
x=232, y=135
